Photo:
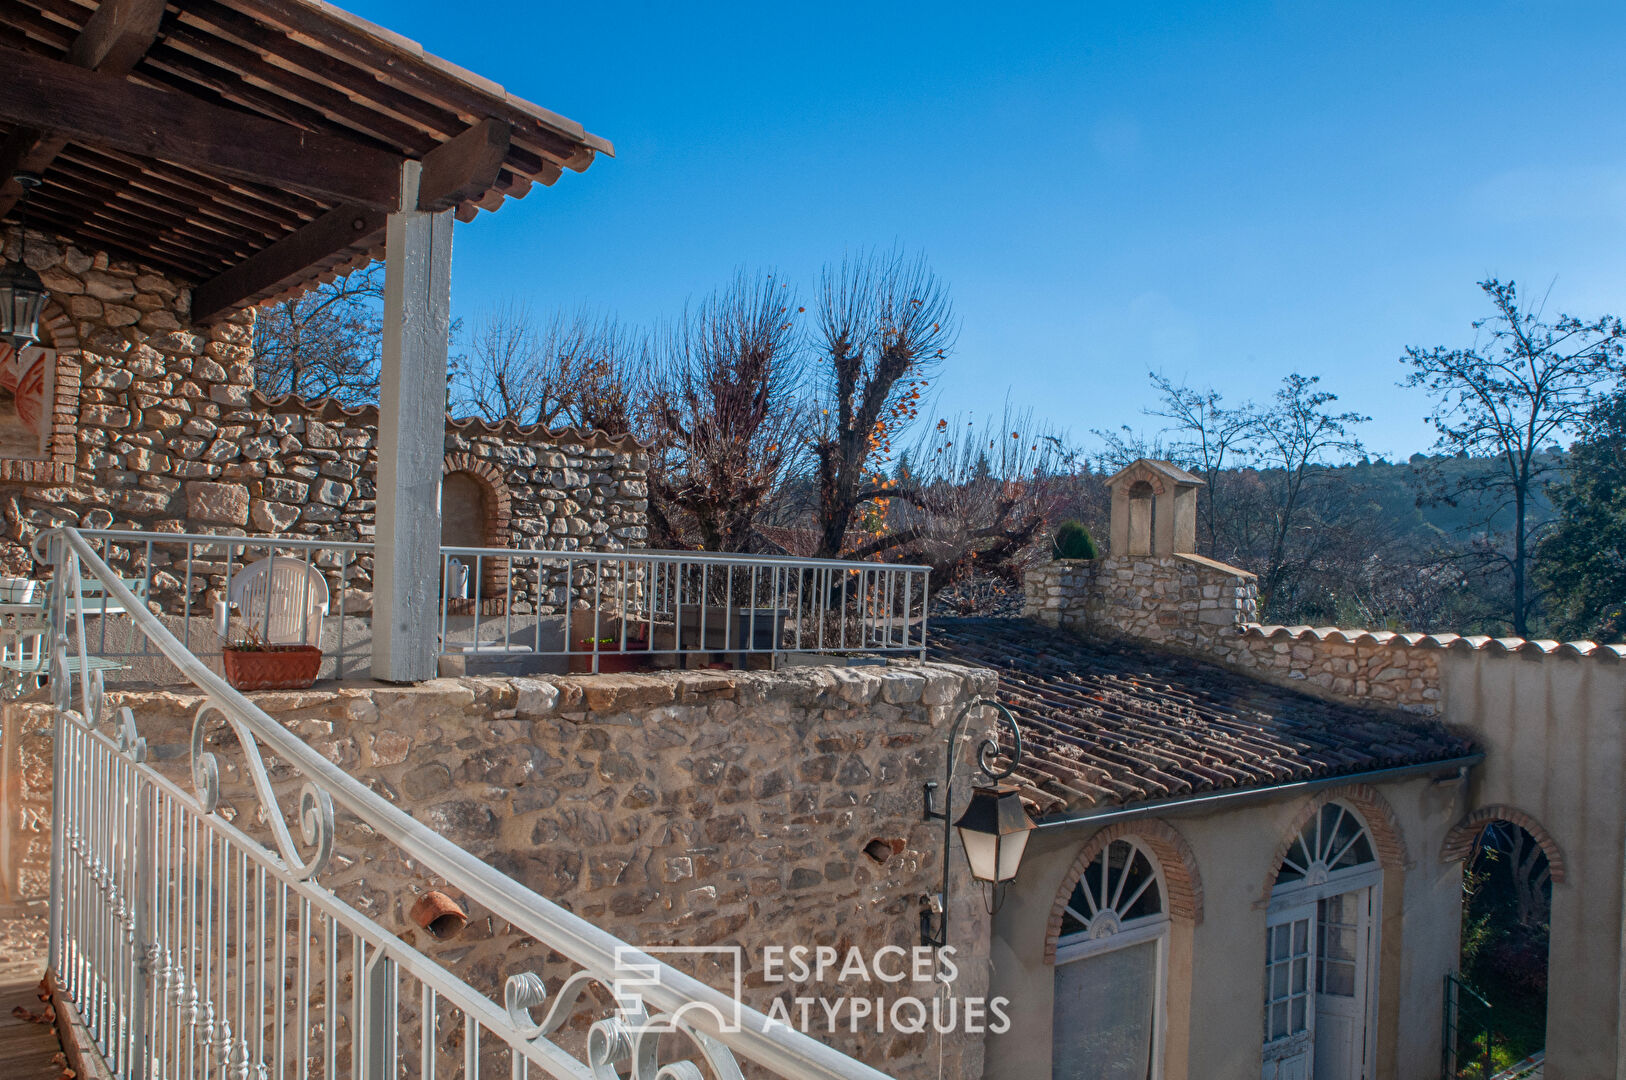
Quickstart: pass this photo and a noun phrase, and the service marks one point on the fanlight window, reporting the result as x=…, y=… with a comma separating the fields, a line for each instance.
x=1119, y=889
x=1331, y=841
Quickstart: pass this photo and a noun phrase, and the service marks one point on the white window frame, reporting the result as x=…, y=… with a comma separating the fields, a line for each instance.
x=1154, y=928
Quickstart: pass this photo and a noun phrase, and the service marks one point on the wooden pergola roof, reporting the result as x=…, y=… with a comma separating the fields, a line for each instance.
x=251, y=147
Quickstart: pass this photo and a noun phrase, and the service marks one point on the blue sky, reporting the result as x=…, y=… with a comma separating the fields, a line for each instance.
x=1224, y=192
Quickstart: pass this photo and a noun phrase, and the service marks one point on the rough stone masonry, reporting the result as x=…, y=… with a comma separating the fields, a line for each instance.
x=157, y=427
x=753, y=809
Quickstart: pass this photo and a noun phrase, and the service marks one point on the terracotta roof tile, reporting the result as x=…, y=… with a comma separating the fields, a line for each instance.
x=1457, y=642
x=1116, y=724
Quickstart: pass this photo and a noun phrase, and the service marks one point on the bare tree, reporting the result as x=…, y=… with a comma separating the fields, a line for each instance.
x=975, y=501
x=1293, y=441
x=324, y=343
x=884, y=323
x=726, y=416
x=1523, y=385
x=567, y=370
x=1209, y=439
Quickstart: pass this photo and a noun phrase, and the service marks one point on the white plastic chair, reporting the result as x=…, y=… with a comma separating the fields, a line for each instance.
x=280, y=599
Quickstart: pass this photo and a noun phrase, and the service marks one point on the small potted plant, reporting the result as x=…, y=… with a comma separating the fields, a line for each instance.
x=613, y=657
x=254, y=664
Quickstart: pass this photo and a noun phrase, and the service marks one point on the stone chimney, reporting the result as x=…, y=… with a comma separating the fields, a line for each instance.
x=1152, y=584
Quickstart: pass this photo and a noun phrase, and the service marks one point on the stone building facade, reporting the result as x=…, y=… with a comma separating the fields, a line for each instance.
x=156, y=426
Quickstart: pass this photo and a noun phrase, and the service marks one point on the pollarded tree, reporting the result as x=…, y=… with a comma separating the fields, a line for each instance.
x=725, y=416
x=1524, y=385
x=884, y=323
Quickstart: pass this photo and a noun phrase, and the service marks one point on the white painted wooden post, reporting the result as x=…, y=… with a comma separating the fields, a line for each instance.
x=411, y=437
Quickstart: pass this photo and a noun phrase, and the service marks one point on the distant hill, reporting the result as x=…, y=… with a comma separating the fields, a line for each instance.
x=1394, y=488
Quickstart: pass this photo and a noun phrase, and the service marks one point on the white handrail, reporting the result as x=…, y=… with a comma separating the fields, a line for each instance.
x=600, y=953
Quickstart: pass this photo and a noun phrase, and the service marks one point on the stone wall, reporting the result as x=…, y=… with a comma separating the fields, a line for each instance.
x=1350, y=665
x=1184, y=602
x=1057, y=592
x=168, y=436
x=1194, y=605
x=688, y=808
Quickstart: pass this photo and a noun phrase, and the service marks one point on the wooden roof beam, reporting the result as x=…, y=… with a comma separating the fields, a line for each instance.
x=118, y=34
x=104, y=110
x=460, y=169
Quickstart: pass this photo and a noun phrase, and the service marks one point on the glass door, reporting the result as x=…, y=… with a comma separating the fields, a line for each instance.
x=1290, y=1013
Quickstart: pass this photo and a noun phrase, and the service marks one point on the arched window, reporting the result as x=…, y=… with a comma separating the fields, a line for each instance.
x=1110, y=963
x=1321, y=949
x=1332, y=841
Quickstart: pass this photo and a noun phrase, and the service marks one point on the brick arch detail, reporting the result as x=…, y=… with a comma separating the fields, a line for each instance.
x=1460, y=840
x=59, y=466
x=1182, y=882
x=1379, y=817
x=499, y=523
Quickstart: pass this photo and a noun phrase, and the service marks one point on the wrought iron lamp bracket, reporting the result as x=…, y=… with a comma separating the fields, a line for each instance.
x=934, y=909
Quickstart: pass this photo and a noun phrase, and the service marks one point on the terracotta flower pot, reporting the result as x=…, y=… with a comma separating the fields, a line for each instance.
x=272, y=667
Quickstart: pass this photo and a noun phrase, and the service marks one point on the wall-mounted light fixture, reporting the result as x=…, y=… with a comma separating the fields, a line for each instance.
x=22, y=293
x=994, y=828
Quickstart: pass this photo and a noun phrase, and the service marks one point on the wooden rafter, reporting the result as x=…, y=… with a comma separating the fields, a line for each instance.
x=118, y=35
x=170, y=195
x=452, y=172
x=105, y=110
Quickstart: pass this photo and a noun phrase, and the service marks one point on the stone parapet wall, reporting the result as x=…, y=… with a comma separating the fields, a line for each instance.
x=1199, y=607
x=1181, y=601
x=694, y=808
x=1393, y=675
x=1057, y=592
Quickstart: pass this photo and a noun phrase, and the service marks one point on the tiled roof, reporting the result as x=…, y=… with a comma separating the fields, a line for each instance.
x=1109, y=724
x=1166, y=469
x=1455, y=642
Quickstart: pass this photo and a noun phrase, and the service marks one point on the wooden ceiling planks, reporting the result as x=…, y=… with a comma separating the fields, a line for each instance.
x=310, y=67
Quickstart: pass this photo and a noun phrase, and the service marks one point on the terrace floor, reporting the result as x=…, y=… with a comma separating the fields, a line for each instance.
x=29, y=1049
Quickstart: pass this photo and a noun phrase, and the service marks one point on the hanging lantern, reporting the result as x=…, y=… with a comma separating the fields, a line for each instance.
x=22, y=293
x=994, y=832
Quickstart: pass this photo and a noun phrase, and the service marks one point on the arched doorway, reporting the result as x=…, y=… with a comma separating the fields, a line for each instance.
x=1510, y=864
x=1321, y=948
x=475, y=509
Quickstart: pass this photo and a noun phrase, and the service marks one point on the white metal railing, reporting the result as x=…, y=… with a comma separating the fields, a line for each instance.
x=196, y=946
x=589, y=606
x=190, y=577
x=573, y=609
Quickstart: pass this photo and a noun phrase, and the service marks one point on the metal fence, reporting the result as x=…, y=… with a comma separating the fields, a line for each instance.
x=196, y=946
x=538, y=610
x=600, y=609
x=1468, y=1036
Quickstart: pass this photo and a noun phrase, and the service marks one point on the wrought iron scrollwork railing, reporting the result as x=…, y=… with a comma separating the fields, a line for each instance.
x=194, y=948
